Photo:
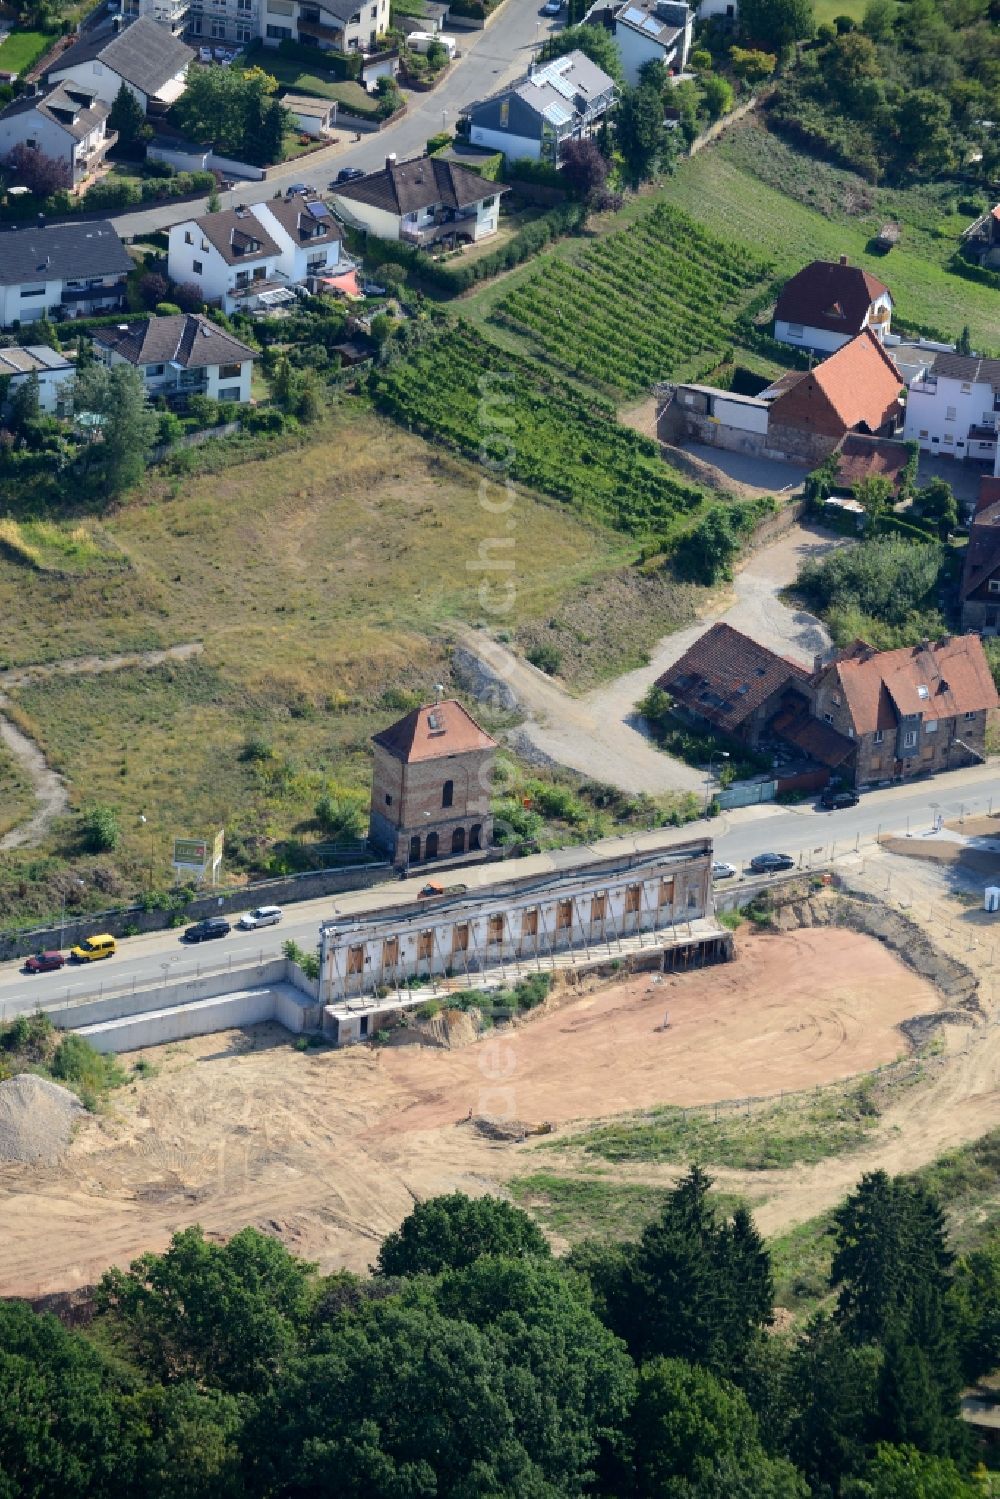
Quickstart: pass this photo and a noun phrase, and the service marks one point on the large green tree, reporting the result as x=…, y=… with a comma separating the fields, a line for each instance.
x=235, y=110
x=447, y=1232
x=640, y=132
x=831, y=1395
x=124, y=426
x=593, y=41
x=775, y=25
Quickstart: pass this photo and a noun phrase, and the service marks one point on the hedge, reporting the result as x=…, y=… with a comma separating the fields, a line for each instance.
x=339, y=64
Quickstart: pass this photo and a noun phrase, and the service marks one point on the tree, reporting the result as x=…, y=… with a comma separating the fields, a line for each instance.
x=234, y=110
x=874, y=495
x=593, y=41
x=976, y=1303
x=964, y=344
x=213, y=202
x=878, y=20
x=936, y=502
x=583, y=169
x=128, y=118
x=718, y=94
x=226, y=1315
x=99, y=829
x=695, y=1435
x=153, y=288
x=752, y=66
x=905, y=1473
x=640, y=132
x=189, y=296
x=40, y=174
x=706, y=554
x=831, y=1393
x=125, y=429
x=340, y=812
x=849, y=64
x=924, y=131
x=451, y=1231
x=776, y=25
x=25, y=405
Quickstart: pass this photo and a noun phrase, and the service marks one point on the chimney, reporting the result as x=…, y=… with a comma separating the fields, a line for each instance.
x=390, y=161
x=843, y=260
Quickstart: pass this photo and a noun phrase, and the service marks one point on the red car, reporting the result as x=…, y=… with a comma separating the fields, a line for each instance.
x=44, y=962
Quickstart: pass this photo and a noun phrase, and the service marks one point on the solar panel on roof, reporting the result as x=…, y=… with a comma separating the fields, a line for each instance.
x=635, y=15
x=560, y=85
x=557, y=114
x=318, y=210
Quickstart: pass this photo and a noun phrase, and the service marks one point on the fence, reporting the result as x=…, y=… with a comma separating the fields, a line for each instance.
x=747, y=794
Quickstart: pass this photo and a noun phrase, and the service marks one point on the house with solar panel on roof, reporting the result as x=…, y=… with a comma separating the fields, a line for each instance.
x=647, y=31
x=244, y=259
x=533, y=117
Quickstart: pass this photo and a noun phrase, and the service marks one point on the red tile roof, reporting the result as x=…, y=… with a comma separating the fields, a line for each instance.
x=864, y=457
x=935, y=680
x=989, y=492
x=433, y=732
x=725, y=676
x=829, y=295
x=815, y=738
x=859, y=384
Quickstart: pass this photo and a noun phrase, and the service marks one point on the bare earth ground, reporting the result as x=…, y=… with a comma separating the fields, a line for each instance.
x=329, y=1149
x=599, y=734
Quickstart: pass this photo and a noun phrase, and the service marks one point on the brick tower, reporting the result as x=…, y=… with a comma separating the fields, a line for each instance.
x=431, y=786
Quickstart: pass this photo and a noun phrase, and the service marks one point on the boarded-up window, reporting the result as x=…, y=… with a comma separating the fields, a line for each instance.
x=598, y=907
x=529, y=924
x=666, y=892
x=390, y=952
x=425, y=945
x=460, y=938
x=356, y=959
x=494, y=928
x=564, y=915
x=633, y=898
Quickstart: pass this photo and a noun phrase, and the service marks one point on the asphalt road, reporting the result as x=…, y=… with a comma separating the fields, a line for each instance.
x=811, y=836
x=489, y=58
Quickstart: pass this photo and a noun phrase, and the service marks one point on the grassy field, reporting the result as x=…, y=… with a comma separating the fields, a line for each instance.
x=16, y=798
x=763, y=1138
x=22, y=49
x=294, y=75
x=594, y=1206
x=319, y=580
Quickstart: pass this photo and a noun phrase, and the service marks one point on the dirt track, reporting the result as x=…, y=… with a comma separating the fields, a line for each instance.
x=329, y=1149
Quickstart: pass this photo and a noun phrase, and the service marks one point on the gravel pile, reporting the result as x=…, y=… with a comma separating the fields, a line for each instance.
x=36, y=1119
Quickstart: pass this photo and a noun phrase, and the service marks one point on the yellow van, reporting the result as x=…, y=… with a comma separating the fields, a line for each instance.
x=92, y=948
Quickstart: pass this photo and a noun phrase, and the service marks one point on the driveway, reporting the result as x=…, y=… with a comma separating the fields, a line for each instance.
x=746, y=468
x=489, y=58
x=600, y=734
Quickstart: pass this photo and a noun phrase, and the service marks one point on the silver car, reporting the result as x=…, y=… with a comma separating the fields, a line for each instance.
x=263, y=916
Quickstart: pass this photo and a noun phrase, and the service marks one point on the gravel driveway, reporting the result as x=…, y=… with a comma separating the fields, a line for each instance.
x=600, y=733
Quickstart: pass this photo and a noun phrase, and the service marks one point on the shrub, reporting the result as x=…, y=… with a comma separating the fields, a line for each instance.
x=256, y=750
x=99, y=829
x=88, y=1072
x=546, y=657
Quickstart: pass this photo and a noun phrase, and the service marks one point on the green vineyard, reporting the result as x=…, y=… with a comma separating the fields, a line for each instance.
x=634, y=307
x=504, y=410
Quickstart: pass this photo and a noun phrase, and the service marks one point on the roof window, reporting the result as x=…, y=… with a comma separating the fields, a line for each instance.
x=922, y=691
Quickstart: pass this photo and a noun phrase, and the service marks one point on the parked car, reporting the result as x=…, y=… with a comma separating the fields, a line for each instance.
x=372, y=289
x=723, y=871
x=835, y=801
x=205, y=931
x=348, y=174
x=770, y=863
x=263, y=916
x=298, y=190
x=44, y=962
x=91, y=948
x=551, y=8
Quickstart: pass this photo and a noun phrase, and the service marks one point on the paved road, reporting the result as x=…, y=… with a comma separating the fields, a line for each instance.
x=808, y=834
x=489, y=58
x=600, y=734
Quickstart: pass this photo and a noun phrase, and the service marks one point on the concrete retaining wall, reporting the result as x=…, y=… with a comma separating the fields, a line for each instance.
x=202, y=1018
x=168, y=996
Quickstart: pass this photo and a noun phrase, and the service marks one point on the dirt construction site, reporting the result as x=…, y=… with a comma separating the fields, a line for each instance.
x=329, y=1149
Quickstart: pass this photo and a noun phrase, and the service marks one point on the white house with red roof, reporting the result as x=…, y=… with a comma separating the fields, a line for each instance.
x=828, y=303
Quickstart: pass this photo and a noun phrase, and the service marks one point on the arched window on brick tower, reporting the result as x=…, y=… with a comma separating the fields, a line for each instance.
x=431, y=847
x=458, y=841
x=448, y=793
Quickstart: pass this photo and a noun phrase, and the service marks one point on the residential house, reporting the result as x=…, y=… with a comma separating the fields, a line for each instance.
x=979, y=591
x=144, y=55
x=75, y=269
x=424, y=201
x=911, y=711
x=328, y=25
x=431, y=785
x=52, y=372
x=306, y=233
x=803, y=416
x=230, y=256
x=68, y=123
x=982, y=240
x=953, y=407
x=728, y=683
x=532, y=118
x=828, y=303
x=647, y=31
x=173, y=14
x=180, y=356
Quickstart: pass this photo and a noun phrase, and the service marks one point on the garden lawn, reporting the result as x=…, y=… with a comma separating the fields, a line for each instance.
x=291, y=74
x=22, y=49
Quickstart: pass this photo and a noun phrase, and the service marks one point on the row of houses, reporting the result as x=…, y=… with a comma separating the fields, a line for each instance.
x=867, y=716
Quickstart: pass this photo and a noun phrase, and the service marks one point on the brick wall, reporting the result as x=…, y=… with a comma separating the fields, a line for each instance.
x=418, y=811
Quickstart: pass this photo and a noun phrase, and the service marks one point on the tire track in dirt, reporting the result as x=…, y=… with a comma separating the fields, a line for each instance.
x=51, y=791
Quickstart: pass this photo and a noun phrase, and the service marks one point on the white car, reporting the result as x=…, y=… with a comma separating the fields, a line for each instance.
x=723, y=871
x=263, y=916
